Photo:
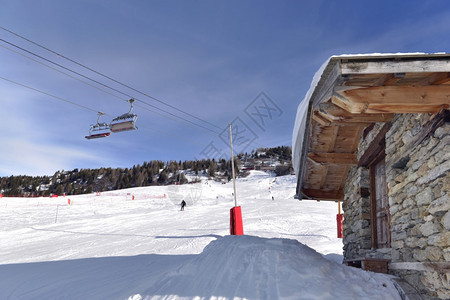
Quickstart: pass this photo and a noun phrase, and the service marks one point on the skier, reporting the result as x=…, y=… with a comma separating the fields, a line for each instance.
x=183, y=204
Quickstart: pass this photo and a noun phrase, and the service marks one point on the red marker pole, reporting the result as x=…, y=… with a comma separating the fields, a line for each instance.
x=236, y=226
x=340, y=222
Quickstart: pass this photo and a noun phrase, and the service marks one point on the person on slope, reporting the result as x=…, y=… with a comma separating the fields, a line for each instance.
x=183, y=204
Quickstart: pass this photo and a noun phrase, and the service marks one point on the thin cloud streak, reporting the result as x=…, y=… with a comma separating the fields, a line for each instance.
x=33, y=158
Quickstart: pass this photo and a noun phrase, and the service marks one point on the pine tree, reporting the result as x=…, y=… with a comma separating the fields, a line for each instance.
x=196, y=168
x=163, y=177
x=212, y=168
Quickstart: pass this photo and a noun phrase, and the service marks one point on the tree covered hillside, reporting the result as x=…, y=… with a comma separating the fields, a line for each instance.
x=150, y=173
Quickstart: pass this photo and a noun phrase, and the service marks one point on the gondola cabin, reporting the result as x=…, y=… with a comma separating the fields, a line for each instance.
x=99, y=130
x=98, y=135
x=124, y=122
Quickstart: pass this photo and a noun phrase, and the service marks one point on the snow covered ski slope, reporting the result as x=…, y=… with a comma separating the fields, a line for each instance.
x=137, y=244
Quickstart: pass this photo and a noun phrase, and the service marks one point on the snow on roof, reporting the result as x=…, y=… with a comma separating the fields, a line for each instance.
x=300, y=119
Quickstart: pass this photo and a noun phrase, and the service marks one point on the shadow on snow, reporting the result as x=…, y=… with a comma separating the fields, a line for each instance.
x=230, y=266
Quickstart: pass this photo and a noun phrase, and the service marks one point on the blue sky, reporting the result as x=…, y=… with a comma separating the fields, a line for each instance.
x=221, y=61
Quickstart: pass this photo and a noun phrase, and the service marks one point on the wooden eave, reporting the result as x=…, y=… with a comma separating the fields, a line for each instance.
x=353, y=93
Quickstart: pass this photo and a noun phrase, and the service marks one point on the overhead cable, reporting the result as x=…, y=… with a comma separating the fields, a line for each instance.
x=96, y=87
x=48, y=94
x=110, y=78
x=87, y=108
x=109, y=87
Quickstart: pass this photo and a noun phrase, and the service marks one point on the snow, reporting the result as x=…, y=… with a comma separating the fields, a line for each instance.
x=112, y=247
x=300, y=119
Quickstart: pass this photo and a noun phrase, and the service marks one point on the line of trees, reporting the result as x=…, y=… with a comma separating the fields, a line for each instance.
x=105, y=179
x=149, y=173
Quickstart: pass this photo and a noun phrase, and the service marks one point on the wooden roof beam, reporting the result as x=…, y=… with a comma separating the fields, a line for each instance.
x=333, y=158
x=444, y=80
x=320, y=119
x=347, y=104
x=334, y=113
x=405, y=109
x=324, y=176
x=394, y=99
x=332, y=140
x=425, y=95
x=435, y=79
x=394, y=78
x=323, y=195
x=395, y=66
x=386, y=79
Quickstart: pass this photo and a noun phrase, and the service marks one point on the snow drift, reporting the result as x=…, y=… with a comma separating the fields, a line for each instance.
x=248, y=267
x=231, y=267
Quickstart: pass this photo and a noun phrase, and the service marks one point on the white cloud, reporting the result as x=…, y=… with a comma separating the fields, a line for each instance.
x=26, y=147
x=20, y=157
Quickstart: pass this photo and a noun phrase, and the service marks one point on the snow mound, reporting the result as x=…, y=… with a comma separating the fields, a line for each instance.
x=249, y=267
x=231, y=267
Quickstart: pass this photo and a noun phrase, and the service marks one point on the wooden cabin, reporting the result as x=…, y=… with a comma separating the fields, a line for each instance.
x=373, y=134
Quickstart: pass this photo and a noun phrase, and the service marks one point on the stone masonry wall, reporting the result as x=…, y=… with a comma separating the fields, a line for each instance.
x=418, y=189
x=356, y=205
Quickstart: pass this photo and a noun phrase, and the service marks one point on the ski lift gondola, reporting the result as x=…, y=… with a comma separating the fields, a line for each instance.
x=99, y=130
x=124, y=122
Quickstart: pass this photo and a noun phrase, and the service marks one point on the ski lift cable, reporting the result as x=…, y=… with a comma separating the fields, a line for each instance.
x=188, y=121
x=91, y=109
x=170, y=135
x=110, y=78
x=96, y=87
x=62, y=72
x=48, y=94
x=63, y=67
x=99, y=83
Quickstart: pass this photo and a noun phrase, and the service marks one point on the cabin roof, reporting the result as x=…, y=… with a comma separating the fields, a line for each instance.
x=349, y=93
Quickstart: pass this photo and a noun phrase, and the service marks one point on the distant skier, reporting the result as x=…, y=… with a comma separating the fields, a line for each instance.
x=183, y=204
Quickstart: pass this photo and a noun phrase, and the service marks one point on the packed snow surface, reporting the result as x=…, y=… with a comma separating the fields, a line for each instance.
x=137, y=244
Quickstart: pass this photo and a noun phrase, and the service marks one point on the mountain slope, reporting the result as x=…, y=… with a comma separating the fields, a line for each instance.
x=113, y=247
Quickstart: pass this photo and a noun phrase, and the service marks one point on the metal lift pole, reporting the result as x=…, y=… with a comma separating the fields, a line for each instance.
x=232, y=166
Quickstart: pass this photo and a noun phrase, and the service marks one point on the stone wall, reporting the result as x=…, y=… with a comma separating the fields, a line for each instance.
x=356, y=205
x=418, y=180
